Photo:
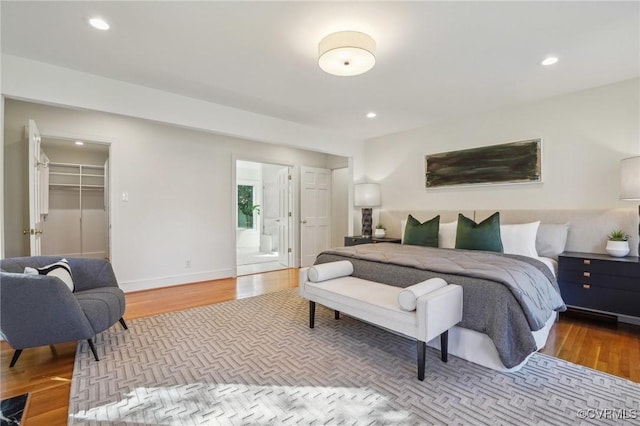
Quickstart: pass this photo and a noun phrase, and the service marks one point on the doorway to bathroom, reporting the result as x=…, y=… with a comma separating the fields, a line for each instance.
x=263, y=217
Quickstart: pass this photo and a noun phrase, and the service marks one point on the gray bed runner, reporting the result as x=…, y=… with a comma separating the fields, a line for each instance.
x=505, y=296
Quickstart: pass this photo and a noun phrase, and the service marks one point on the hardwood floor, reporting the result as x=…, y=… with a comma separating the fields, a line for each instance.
x=45, y=372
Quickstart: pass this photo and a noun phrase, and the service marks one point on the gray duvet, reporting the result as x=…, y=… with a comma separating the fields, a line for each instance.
x=504, y=296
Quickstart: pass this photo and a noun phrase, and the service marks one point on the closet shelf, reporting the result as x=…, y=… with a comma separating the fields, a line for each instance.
x=75, y=186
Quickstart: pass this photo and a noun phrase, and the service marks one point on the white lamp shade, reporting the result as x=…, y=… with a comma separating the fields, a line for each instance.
x=366, y=195
x=346, y=53
x=630, y=178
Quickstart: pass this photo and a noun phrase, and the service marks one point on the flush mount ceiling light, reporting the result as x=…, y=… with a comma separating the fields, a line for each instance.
x=346, y=53
x=79, y=143
x=371, y=114
x=99, y=24
x=549, y=61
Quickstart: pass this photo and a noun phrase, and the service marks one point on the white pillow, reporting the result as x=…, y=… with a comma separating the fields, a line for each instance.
x=447, y=235
x=60, y=269
x=407, y=298
x=328, y=271
x=520, y=239
x=551, y=239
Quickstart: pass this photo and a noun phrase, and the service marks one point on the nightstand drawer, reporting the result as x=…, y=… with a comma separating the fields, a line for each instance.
x=602, y=299
x=580, y=277
x=600, y=266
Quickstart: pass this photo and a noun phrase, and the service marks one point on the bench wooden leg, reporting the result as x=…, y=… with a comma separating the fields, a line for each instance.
x=444, y=346
x=312, y=314
x=336, y=314
x=422, y=348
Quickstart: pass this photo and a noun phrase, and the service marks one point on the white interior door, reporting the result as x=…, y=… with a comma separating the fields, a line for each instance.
x=315, y=213
x=35, y=167
x=284, y=216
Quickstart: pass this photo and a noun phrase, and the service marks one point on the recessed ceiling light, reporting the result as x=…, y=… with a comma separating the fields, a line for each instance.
x=79, y=143
x=99, y=23
x=371, y=114
x=549, y=61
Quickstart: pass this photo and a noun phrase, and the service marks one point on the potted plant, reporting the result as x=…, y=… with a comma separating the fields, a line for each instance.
x=380, y=231
x=617, y=243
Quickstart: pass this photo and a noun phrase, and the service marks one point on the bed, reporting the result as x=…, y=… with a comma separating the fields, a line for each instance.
x=510, y=300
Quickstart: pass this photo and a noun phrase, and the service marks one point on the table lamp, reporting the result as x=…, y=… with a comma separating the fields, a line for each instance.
x=366, y=195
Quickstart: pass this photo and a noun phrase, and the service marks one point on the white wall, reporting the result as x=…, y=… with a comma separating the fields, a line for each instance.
x=31, y=80
x=179, y=184
x=340, y=183
x=584, y=134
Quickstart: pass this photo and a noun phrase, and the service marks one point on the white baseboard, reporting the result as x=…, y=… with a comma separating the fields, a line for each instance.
x=168, y=281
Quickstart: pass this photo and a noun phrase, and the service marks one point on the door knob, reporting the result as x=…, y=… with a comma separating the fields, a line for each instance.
x=303, y=221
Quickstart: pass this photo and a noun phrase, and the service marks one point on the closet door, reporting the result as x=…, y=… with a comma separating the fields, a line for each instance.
x=35, y=167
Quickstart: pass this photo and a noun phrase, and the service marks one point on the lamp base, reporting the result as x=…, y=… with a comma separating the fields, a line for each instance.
x=367, y=221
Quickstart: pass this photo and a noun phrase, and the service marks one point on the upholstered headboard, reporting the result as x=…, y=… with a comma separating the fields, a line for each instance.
x=588, y=229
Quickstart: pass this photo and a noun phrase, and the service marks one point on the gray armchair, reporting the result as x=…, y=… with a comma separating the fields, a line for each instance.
x=38, y=310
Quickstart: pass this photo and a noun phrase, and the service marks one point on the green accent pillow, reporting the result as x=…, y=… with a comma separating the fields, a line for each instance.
x=421, y=234
x=479, y=236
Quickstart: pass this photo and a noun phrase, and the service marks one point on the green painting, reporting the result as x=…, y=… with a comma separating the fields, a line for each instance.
x=513, y=162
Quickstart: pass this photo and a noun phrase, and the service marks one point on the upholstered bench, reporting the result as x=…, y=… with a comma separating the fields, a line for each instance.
x=423, y=311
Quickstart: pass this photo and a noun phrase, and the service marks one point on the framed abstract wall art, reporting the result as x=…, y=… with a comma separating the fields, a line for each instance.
x=513, y=162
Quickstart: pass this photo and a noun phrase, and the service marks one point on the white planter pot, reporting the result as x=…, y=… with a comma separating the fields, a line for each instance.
x=617, y=248
x=379, y=233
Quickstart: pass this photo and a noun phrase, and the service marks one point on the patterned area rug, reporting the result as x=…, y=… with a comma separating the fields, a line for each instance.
x=256, y=362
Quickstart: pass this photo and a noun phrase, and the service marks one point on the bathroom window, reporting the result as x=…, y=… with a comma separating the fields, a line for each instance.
x=246, y=206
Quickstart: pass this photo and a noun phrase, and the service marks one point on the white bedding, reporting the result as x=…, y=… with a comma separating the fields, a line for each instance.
x=552, y=264
x=479, y=349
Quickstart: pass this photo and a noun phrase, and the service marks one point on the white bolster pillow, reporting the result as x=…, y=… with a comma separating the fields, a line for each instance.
x=328, y=271
x=407, y=297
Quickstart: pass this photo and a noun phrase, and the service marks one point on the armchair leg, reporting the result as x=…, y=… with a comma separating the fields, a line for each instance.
x=15, y=357
x=93, y=349
x=124, y=324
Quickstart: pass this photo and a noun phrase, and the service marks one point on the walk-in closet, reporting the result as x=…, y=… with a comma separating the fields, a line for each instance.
x=75, y=198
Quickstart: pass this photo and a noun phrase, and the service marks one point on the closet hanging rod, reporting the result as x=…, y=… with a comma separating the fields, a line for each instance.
x=93, y=166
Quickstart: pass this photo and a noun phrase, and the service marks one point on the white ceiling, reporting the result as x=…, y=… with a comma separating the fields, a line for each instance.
x=435, y=60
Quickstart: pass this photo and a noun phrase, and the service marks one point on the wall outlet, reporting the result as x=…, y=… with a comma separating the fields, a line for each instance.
x=187, y=263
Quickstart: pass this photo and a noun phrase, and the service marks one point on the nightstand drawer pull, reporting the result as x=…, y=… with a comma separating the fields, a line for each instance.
x=586, y=274
x=587, y=286
x=586, y=261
